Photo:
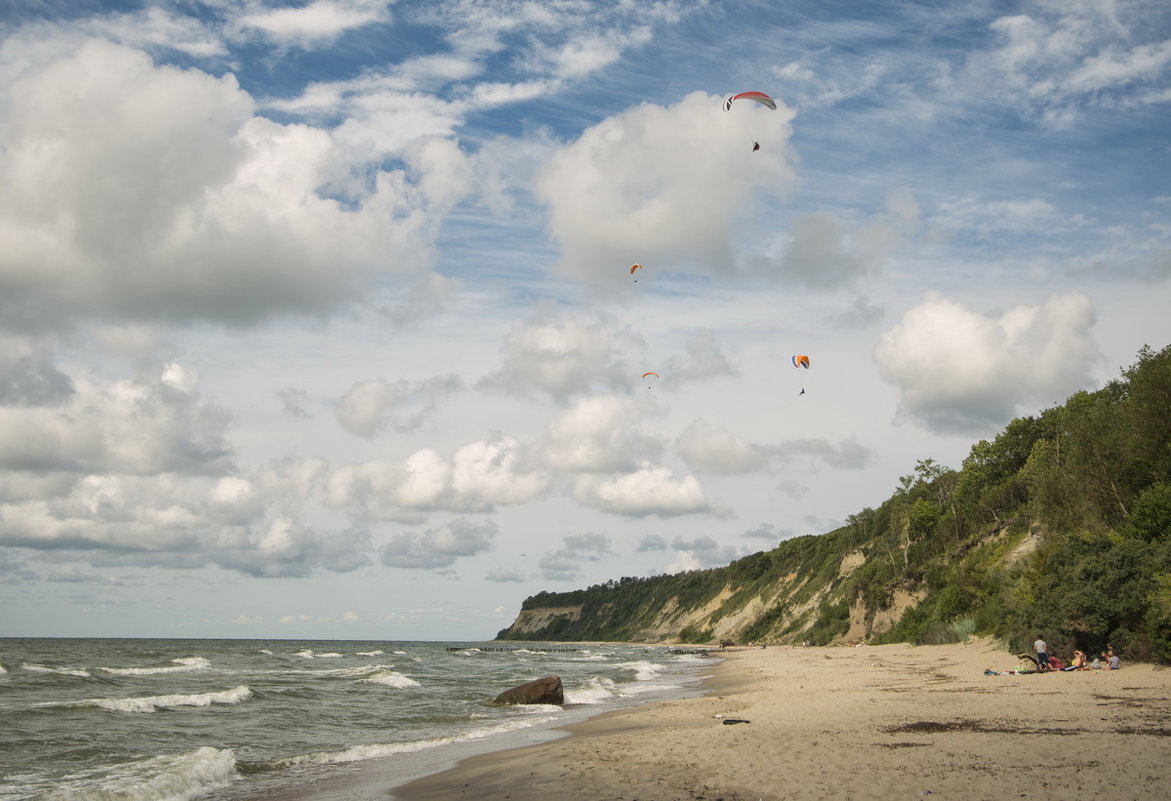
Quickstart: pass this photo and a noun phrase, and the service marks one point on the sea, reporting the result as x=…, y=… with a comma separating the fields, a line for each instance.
x=246, y=720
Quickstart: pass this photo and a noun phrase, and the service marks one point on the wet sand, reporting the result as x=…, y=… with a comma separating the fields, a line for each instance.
x=881, y=722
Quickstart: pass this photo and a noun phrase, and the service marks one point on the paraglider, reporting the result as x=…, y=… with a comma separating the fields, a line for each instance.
x=801, y=360
x=634, y=267
x=759, y=97
x=649, y=378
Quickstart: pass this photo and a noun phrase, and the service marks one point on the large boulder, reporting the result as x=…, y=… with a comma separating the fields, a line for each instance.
x=541, y=691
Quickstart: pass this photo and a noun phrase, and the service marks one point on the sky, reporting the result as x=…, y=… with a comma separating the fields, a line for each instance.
x=317, y=319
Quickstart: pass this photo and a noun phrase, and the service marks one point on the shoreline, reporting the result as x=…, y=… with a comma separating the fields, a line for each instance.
x=869, y=722
x=379, y=778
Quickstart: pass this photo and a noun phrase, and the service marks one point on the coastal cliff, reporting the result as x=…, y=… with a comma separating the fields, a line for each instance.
x=1061, y=524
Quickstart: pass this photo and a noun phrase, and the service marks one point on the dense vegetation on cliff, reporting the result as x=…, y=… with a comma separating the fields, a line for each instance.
x=1061, y=525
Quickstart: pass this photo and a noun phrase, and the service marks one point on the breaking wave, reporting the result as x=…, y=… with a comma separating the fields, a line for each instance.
x=174, y=777
x=32, y=668
x=359, y=753
x=390, y=678
x=154, y=703
x=183, y=665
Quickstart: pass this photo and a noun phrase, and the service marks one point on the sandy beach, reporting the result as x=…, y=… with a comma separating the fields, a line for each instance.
x=894, y=721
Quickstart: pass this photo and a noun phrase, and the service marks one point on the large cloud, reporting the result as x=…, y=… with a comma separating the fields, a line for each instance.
x=156, y=423
x=644, y=492
x=140, y=472
x=662, y=185
x=694, y=554
x=713, y=449
x=562, y=357
x=318, y=23
x=370, y=407
x=440, y=547
x=251, y=524
x=480, y=476
x=153, y=192
x=564, y=564
x=28, y=376
x=600, y=434
x=702, y=359
x=292, y=548
x=1063, y=54
x=960, y=371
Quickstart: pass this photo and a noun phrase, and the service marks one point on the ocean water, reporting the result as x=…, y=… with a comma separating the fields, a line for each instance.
x=172, y=720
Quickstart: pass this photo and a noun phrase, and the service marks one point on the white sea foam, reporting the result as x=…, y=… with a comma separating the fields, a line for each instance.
x=371, y=653
x=643, y=671
x=309, y=653
x=390, y=678
x=32, y=668
x=3, y=670
x=175, y=777
x=183, y=665
x=359, y=753
x=356, y=671
x=153, y=703
x=598, y=690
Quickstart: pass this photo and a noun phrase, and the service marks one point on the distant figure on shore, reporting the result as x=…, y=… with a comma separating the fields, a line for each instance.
x=1079, y=660
x=1114, y=662
x=1042, y=649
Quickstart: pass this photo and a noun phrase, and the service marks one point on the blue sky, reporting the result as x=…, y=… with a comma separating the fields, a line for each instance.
x=316, y=319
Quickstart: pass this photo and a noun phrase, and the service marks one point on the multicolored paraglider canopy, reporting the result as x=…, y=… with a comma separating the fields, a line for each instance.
x=759, y=97
x=801, y=361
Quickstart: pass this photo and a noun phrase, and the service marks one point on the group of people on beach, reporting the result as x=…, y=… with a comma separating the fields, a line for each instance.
x=1046, y=661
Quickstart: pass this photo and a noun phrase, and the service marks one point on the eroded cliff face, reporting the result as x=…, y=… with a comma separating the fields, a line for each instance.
x=535, y=621
x=816, y=597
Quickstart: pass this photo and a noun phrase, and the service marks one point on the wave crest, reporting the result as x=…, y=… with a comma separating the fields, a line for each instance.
x=153, y=703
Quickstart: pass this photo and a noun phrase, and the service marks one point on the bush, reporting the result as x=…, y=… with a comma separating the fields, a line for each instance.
x=936, y=634
x=963, y=628
x=693, y=634
x=1150, y=514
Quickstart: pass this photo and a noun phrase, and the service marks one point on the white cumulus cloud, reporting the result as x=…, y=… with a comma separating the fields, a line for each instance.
x=659, y=185
x=962, y=371
x=644, y=492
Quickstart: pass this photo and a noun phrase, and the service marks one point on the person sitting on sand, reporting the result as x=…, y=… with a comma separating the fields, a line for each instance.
x=1114, y=662
x=1055, y=663
x=1079, y=660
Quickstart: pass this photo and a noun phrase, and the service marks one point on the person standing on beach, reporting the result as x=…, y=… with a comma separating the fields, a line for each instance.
x=1042, y=649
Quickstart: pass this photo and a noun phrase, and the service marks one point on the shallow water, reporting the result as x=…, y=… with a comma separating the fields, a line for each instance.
x=139, y=719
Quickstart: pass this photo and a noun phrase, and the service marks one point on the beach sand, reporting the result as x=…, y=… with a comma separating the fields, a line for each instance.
x=881, y=722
